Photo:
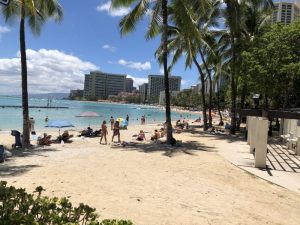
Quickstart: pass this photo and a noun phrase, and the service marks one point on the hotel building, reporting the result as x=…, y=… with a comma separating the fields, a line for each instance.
x=143, y=90
x=101, y=85
x=129, y=85
x=156, y=84
x=286, y=11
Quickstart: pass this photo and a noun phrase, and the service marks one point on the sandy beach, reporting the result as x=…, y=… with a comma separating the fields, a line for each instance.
x=151, y=185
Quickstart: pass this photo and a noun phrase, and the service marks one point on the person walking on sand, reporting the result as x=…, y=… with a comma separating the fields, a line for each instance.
x=104, y=132
x=127, y=119
x=116, y=131
x=112, y=121
x=143, y=120
x=31, y=124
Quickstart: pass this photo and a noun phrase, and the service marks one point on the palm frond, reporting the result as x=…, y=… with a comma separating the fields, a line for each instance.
x=129, y=22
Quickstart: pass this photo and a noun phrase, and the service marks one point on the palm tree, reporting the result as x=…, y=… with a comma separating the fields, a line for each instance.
x=235, y=21
x=190, y=37
x=159, y=20
x=257, y=18
x=207, y=22
x=36, y=12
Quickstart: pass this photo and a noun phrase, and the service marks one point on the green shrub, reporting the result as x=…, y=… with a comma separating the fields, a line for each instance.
x=18, y=207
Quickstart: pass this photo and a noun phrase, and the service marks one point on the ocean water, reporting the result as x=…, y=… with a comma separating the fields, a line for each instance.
x=11, y=118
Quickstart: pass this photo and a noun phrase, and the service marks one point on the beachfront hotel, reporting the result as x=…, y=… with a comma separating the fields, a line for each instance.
x=143, y=90
x=129, y=85
x=156, y=84
x=102, y=85
x=286, y=11
x=162, y=96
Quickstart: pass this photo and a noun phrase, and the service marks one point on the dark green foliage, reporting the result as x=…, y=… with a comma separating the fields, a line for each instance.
x=272, y=66
x=18, y=207
x=187, y=98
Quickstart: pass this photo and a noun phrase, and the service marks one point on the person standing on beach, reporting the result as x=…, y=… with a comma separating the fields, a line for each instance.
x=143, y=120
x=31, y=124
x=127, y=119
x=116, y=131
x=112, y=121
x=104, y=132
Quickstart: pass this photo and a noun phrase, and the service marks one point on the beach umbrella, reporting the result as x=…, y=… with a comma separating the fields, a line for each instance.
x=88, y=114
x=120, y=119
x=59, y=124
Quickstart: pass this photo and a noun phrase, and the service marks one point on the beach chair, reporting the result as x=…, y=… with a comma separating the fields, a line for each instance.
x=284, y=137
x=292, y=143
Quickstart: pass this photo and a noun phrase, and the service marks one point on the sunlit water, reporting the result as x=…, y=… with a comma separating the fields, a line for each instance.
x=11, y=118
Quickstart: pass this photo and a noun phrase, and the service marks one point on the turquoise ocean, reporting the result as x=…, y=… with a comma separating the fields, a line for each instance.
x=11, y=118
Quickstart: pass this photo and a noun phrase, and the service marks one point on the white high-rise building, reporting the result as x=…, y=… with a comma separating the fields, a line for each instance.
x=286, y=11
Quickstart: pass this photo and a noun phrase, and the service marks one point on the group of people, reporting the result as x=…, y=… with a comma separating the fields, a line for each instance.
x=155, y=136
x=115, y=127
x=181, y=125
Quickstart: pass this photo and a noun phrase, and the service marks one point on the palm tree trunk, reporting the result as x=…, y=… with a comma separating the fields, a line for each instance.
x=166, y=73
x=233, y=91
x=202, y=94
x=210, y=89
x=26, y=137
x=218, y=101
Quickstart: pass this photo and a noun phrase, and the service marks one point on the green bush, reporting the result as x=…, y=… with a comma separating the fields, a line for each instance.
x=18, y=207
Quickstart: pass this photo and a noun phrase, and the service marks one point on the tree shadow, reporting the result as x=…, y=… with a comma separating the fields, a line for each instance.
x=188, y=148
x=7, y=170
x=196, y=132
x=34, y=151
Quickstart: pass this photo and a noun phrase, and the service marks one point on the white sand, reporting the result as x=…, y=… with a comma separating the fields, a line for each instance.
x=146, y=184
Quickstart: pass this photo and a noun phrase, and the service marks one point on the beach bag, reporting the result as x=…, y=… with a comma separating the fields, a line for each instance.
x=2, y=154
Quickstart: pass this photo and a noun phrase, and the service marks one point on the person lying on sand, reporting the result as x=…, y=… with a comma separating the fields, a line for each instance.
x=130, y=143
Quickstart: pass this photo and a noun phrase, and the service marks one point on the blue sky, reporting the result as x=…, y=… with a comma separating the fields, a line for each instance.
x=88, y=38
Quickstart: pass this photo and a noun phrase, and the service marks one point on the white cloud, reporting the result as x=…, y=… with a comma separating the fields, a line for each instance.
x=161, y=71
x=48, y=71
x=106, y=7
x=109, y=47
x=4, y=29
x=184, y=82
x=138, y=80
x=135, y=65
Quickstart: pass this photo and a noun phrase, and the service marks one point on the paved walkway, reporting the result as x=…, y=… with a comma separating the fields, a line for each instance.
x=283, y=166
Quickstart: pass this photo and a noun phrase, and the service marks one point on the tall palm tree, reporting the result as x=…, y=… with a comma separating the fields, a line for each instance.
x=257, y=18
x=188, y=37
x=158, y=9
x=235, y=20
x=36, y=12
x=208, y=21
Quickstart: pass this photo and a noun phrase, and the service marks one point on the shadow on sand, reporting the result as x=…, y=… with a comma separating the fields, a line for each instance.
x=196, y=131
x=8, y=168
x=188, y=147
